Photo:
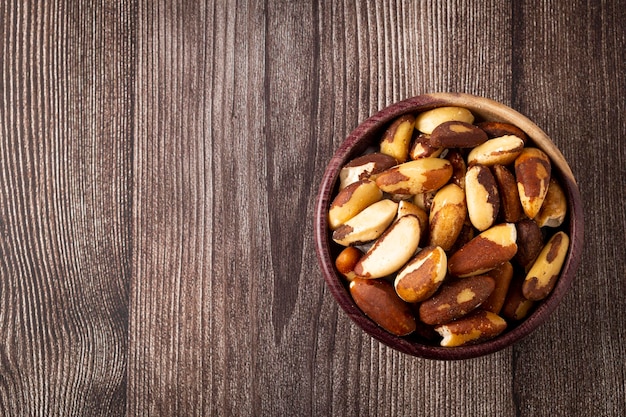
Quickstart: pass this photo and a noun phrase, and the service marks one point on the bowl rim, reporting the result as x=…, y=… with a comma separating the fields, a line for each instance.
x=362, y=136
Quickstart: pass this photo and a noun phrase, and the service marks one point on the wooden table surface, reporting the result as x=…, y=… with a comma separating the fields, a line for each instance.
x=159, y=163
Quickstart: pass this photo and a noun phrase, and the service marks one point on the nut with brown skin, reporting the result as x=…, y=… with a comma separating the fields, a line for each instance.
x=529, y=242
x=510, y=205
x=415, y=177
x=457, y=134
x=391, y=250
x=422, y=275
x=483, y=199
x=455, y=299
x=365, y=167
x=427, y=121
x=516, y=307
x=346, y=260
x=502, y=151
x=532, y=171
x=351, y=200
x=502, y=275
x=423, y=148
x=379, y=301
x=554, y=207
x=368, y=225
x=397, y=138
x=497, y=129
x=498, y=242
x=459, y=167
x=545, y=271
x=474, y=328
x=447, y=216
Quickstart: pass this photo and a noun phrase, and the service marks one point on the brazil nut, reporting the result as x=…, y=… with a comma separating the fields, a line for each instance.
x=379, y=301
x=457, y=134
x=497, y=129
x=502, y=150
x=454, y=300
x=476, y=327
x=423, y=148
x=544, y=273
x=397, y=138
x=391, y=250
x=427, y=121
x=483, y=199
x=422, y=275
x=497, y=241
x=447, y=216
x=554, y=208
x=365, y=167
x=532, y=171
x=510, y=205
x=415, y=177
x=351, y=201
x=346, y=261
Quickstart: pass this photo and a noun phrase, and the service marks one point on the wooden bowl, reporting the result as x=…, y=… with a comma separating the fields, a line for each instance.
x=369, y=133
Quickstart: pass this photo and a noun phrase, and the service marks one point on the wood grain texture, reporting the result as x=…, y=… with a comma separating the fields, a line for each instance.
x=578, y=99
x=282, y=86
x=65, y=201
x=159, y=162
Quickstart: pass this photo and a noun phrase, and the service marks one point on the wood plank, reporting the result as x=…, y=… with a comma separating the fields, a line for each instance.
x=229, y=313
x=571, y=82
x=173, y=299
x=65, y=207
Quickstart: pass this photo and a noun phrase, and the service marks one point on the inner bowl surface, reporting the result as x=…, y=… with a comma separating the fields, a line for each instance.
x=369, y=133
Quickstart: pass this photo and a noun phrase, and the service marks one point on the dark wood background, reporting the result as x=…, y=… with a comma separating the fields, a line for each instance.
x=159, y=162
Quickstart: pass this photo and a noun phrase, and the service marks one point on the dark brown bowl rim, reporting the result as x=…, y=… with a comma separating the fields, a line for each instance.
x=358, y=141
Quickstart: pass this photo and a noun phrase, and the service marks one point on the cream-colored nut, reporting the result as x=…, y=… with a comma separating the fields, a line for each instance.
x=427, y=121
x=455, y=134
x=422, y=275
x=486, y=251
x=368, y=225
x=516, y=307
x=544, y=273
x=422, y=148
x=483, y=199
x=447, y=216
x=476, y=327
x=455, y=299
x=351, y=201
x=391, y=250
x=502, y=275
x=397, y=138
x=346, y=261
x=497, y=129
x=502, y=151
x=532, y=171
x=406, y=207
x=459, y=167
x=510, y=205
x=554, y=207
x=379, y=301
x=365, y=167
x=415, y=177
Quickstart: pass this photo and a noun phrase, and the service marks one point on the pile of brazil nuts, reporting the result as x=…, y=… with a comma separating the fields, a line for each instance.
x=451, y=229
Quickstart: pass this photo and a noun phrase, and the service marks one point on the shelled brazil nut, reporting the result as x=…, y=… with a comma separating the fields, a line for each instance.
x=452, y=226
